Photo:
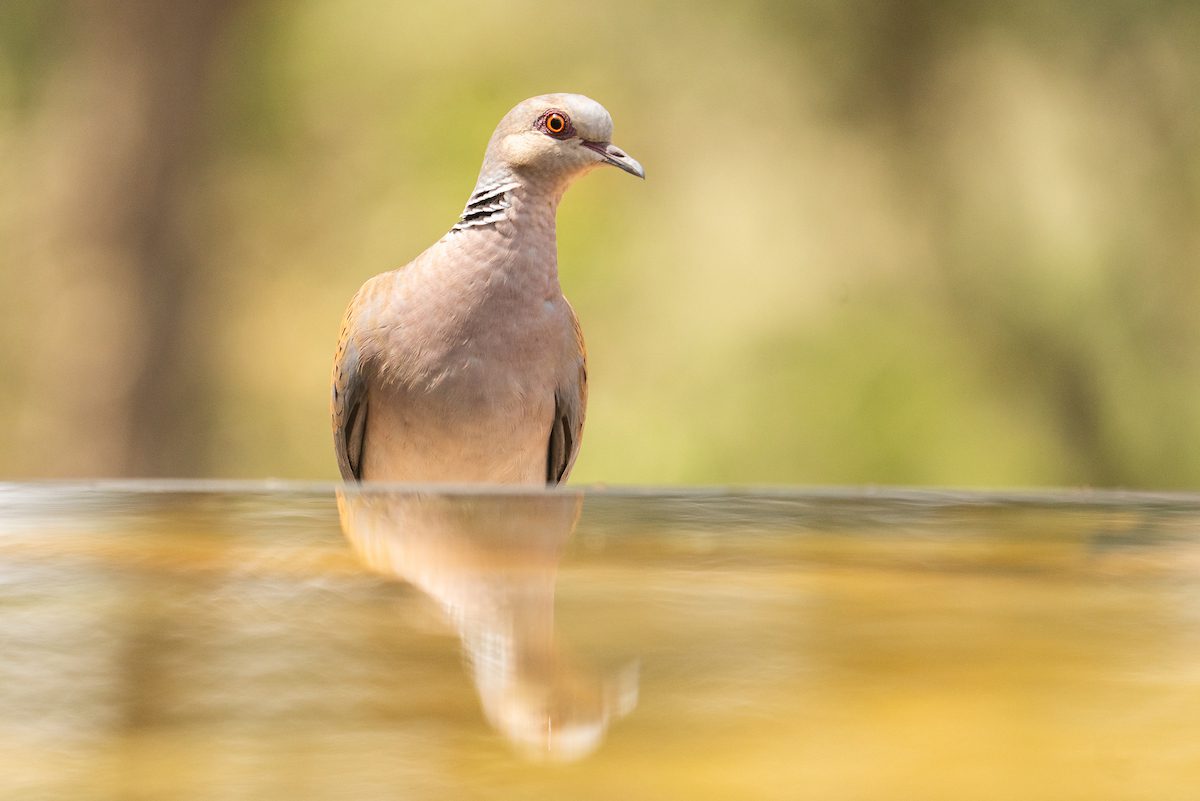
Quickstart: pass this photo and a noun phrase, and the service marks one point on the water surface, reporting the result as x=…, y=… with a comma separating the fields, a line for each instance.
x=248, y=641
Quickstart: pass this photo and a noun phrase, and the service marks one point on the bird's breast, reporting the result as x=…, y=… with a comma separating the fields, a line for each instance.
x=490, y=324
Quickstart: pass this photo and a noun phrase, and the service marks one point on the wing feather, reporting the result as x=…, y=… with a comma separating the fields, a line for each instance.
x=349, y=403
x=570, y=408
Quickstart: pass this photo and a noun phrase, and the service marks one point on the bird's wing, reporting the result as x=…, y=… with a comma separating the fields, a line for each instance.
x=570, y=406
x=349, y=401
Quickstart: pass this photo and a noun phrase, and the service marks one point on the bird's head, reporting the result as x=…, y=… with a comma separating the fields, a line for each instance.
x=556, y=138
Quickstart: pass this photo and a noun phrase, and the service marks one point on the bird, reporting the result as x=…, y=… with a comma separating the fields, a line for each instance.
x=468, y=365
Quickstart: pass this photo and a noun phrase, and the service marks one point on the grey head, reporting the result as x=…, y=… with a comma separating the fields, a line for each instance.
x=550, y=140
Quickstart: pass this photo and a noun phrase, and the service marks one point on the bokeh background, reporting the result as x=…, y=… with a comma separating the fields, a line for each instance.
x=881, y=241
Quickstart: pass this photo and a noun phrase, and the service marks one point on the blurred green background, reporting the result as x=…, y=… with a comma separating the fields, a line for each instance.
x=880, y=241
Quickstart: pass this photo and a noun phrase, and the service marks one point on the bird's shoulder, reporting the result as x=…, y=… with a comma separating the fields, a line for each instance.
x=378, y=300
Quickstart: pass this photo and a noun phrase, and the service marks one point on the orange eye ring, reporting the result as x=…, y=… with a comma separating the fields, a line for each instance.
x=557, y=124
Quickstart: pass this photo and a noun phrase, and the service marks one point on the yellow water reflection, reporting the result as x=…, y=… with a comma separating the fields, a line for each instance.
x=178, y=642
x=491, y=564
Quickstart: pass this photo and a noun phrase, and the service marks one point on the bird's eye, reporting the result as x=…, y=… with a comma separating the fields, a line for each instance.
x=556, y=124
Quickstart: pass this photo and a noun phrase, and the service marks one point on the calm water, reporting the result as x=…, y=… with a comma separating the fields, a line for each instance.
x=254, y=642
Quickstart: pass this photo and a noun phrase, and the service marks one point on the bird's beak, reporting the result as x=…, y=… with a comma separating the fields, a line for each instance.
x=616, y=157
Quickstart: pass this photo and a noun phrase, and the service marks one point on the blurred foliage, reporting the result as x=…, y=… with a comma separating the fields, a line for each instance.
x=880, y=241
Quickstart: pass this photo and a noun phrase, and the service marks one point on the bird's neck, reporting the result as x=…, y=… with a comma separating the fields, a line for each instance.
x=514, y=219
x=531, y=201
x=532, y=216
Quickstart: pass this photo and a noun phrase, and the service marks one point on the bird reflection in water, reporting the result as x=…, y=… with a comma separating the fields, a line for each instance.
x=491, y=563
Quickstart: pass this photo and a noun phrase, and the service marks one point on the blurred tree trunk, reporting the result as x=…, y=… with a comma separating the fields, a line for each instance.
x=119, y=365
x=910, y=42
